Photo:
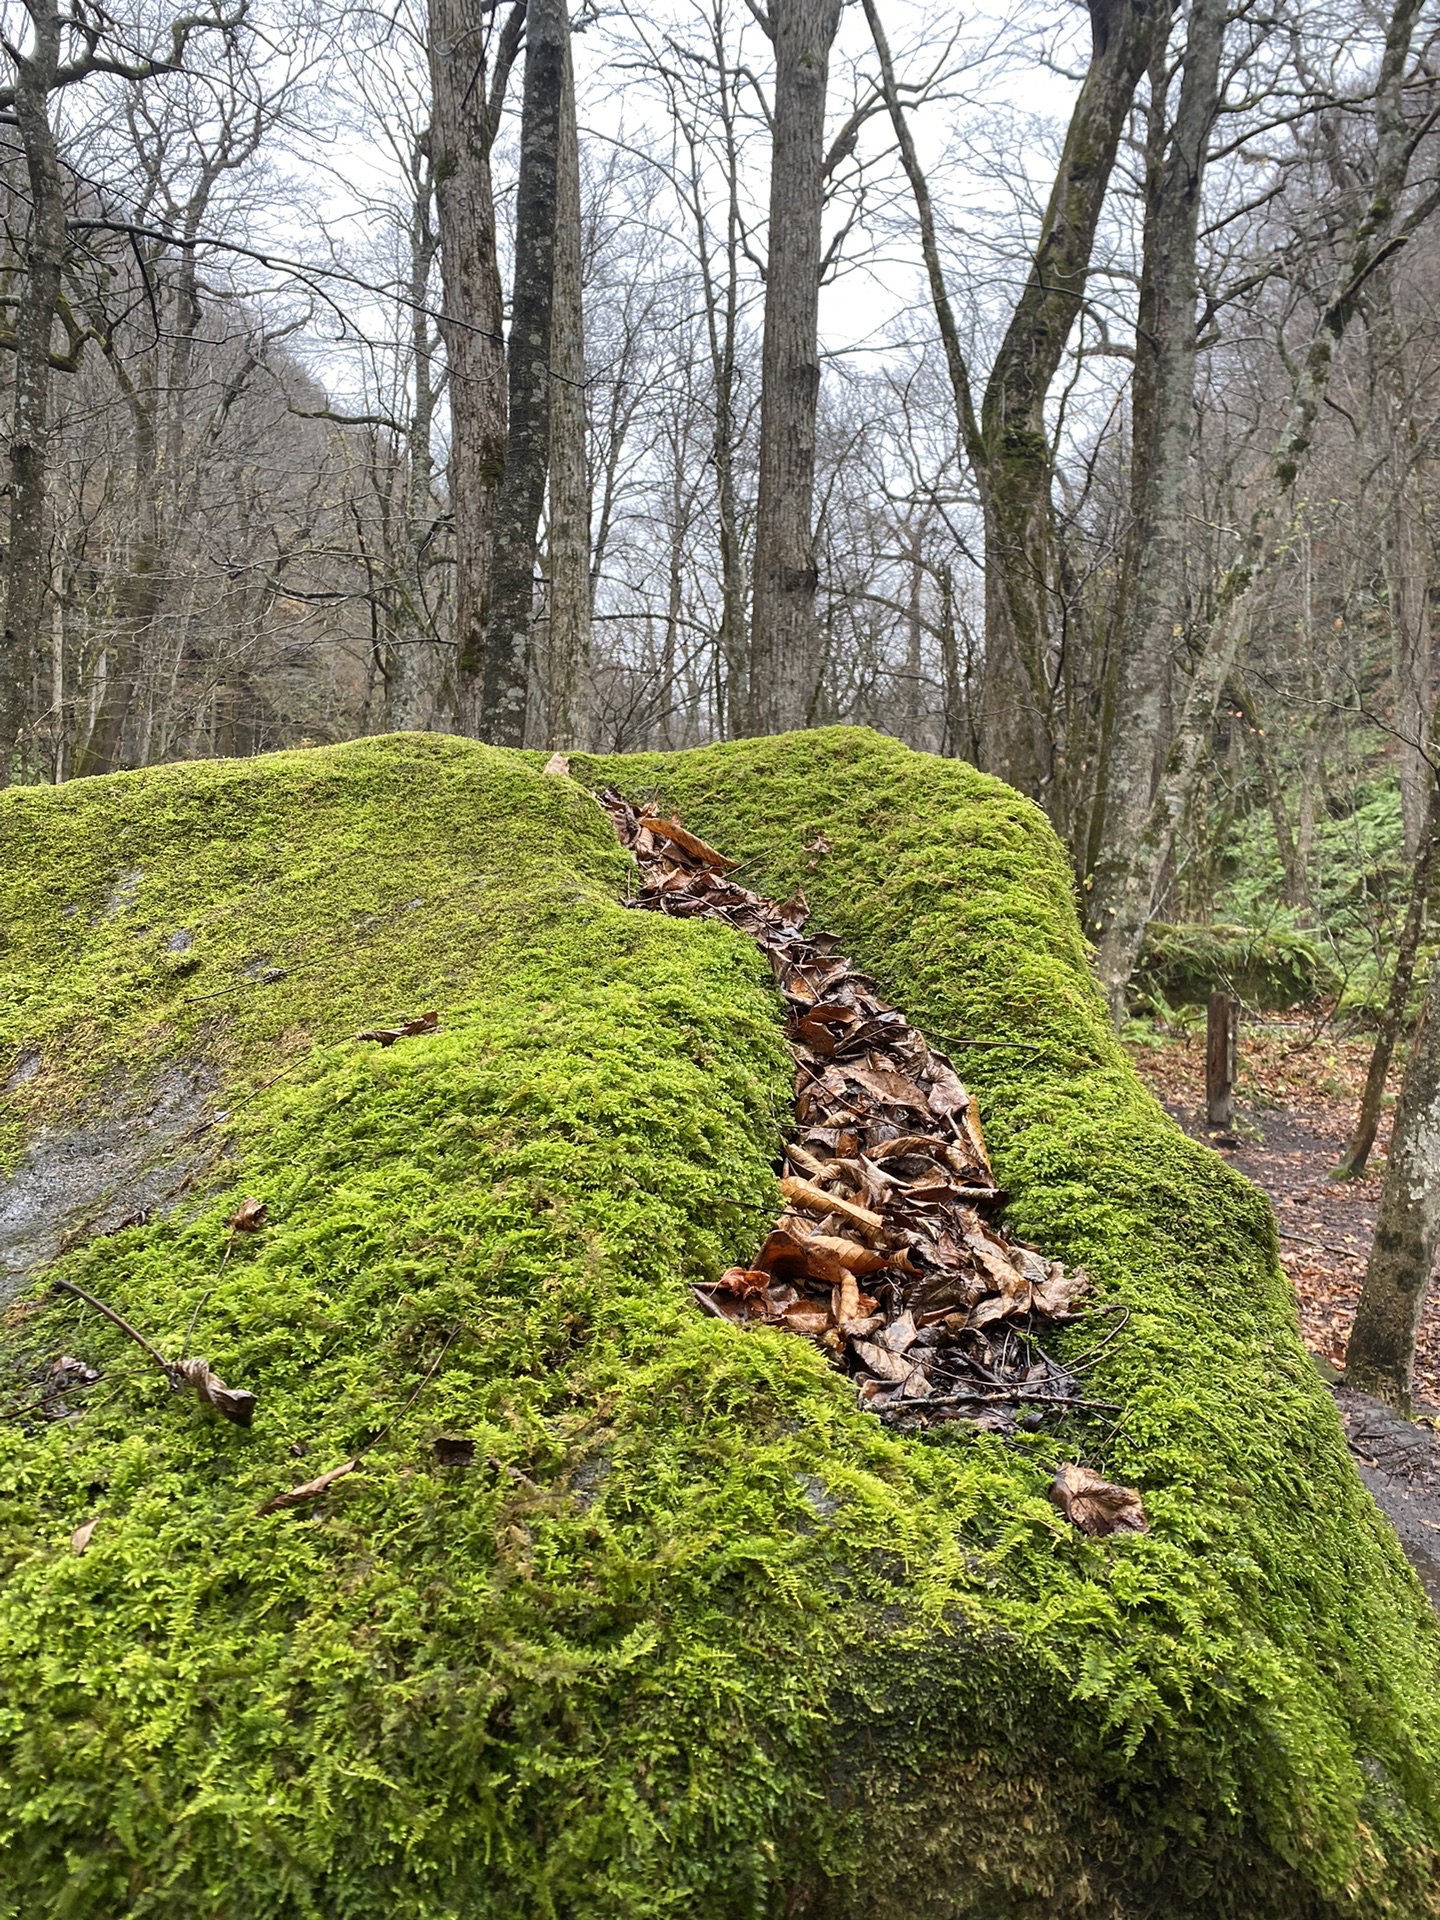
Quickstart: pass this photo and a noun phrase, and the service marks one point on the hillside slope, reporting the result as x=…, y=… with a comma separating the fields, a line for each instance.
x=692, y=1635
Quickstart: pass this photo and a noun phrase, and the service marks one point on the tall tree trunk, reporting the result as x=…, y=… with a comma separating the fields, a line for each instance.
x=504, y=696
x=136, y=604
x=1139, y=837
x=472, y=325
x=1017, y=725
x=26, y=562
x=1380, y=1358
x=1367, y=1120
x=1406, y=553
x=410, y=682
x=567, y=673
x=783, y=640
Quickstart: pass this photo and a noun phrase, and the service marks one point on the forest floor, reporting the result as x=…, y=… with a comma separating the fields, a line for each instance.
x=1297, y=1093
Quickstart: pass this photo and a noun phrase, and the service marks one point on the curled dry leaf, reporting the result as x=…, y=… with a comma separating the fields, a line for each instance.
x=80, y=1538
x=692, y=844
x=309, y=1490
x=812, y=1199
x=887, y=1181
x=234, y=1402
x=1097, y=1505
x=249, y=1217
x=558, y=765
x=387, y=1036
x=741, y=1280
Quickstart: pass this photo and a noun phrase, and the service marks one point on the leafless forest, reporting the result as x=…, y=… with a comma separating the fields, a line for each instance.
x=1052, y=388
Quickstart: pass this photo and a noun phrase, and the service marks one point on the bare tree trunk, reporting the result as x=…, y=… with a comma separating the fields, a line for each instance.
x=783, y=640
x=566, y=678
x=1406, y=551
x=1367, y=1120
x=1380, y=1358
x=26, y=561
x=527, y=447
x=461, y=135
x=1295, y=885
x=1139, y=839
x=410, y=685
x=136, y=603
x=1017, y=726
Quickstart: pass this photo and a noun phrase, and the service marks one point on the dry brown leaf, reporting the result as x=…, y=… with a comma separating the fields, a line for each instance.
x=860, y=1260
x=558, y=764
x=80, y=1538
x=880, y=1361
x=234, y=1402
x=896, y=1089
x=310, y=1490
x=1056, y=1298
x=806, y=1316
x=845, y=1301
x=692, y=843
x=387, y=1036
x=812, y=1199
x=249, y=1217
x=901, y=1333
x=1097, y=1505
x=741, y=1280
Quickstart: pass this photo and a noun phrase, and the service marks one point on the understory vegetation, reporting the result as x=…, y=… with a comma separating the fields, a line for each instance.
x=692, y=1635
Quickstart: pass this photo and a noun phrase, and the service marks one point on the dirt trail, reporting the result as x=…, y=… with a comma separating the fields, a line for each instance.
x=1293, y=1115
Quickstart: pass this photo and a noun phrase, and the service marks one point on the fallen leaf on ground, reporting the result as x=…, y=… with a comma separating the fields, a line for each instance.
x=249, y=1217
x=806, y=1195
x=236, y=1403
x=310, y=1490
x=888, y=1152
x=1097, y=1505
x=387, y=1036
x=80, y=1538
x=558, y=764
x=741, y=1280
x=692, y=843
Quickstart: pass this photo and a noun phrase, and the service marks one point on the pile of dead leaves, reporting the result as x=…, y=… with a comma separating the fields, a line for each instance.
x=889, y=1254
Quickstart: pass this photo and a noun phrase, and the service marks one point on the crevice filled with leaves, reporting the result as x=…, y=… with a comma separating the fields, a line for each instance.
x=890, y=1253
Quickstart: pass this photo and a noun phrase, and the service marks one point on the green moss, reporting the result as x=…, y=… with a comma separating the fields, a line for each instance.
x=694, y=1636
x=1269, y=969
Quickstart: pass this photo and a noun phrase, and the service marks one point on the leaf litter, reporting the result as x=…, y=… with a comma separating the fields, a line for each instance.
x=890, y=1255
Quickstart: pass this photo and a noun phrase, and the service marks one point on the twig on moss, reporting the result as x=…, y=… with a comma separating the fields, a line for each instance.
x=312, y=1489
x=235, y=1403
x=119, y=1320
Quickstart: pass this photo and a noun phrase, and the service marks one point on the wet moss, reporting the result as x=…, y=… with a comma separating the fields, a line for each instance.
x=693, y=1636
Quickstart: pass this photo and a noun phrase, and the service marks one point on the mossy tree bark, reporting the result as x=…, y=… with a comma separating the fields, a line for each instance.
x=783, y=640
x=1380, y=1358
x=505, y=691
x=567, y=651
x=410, y=678
x=26, y=563
x=464, y=115
x=1022, y=592
x=1006, y=443
x=1125, y=882
x=1151, y=618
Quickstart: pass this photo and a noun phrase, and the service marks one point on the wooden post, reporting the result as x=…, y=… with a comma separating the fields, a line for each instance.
x=1221, y=1023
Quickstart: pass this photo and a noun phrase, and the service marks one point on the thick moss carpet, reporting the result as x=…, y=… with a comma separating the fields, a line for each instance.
x=692, y=1636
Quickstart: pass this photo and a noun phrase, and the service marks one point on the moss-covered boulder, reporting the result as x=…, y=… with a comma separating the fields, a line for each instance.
x=1271, y=970
x=692, y=1636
